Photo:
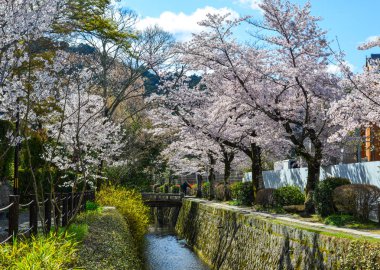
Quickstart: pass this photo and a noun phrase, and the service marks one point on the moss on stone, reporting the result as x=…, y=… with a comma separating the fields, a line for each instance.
x=233, y=239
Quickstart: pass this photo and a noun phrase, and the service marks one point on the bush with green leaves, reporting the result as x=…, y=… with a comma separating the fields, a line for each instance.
x=323, y=195
x=206, y=189
x=165, y=188
x=130, y=204
x=289, y=195
x=174, y=189
x=242, y=192
x=91, y=206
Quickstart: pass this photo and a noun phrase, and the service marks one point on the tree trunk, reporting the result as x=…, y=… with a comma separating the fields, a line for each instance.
x=199, y=186
x=211, y=177
x=313, y=165
x=100, y=173
x=257, y=175
x=226, y=180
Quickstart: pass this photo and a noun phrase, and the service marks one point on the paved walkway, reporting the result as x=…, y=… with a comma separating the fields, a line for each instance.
x=288, y=219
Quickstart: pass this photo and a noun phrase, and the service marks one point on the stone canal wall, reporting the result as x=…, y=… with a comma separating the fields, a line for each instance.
x=235, y=239
x=164, y=216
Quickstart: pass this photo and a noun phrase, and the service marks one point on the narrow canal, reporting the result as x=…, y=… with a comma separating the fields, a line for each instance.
x=164, y=251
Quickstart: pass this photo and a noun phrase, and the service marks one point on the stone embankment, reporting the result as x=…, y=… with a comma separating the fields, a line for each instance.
x=234, y=238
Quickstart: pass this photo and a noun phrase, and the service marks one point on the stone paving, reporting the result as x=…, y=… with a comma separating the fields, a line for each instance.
x=288, y=219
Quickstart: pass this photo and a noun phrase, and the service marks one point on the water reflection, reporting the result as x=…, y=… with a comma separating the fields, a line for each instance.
x=164, y=251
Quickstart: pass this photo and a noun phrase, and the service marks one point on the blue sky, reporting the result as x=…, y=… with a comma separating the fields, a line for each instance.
x=351, y=21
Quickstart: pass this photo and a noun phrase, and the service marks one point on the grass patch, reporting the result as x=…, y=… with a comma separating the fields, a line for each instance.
x=235, y=203
x=45, y=252
x=349, y=221
x=271, y=210
x=108, y=244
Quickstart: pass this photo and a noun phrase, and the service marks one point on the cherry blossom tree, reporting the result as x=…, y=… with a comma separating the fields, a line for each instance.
x=372, y=42
x=283, y=80
x=295, y=89
x=360, y=108
x=222, y=60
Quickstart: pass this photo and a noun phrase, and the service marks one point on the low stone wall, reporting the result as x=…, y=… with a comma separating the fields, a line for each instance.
x=238, y=239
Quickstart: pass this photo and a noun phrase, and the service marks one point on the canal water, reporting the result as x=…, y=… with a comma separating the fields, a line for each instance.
x=164, y=251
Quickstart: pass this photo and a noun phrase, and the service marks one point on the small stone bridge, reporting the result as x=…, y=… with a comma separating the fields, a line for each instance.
x=163, y=199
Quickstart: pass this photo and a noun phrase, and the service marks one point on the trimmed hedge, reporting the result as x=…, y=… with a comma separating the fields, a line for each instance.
x=323, y=198
x=357, y=199
x=289, y=195
x=265, y=197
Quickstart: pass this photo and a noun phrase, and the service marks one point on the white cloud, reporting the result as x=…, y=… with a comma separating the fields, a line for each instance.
x=181, y=25
x=253, y=4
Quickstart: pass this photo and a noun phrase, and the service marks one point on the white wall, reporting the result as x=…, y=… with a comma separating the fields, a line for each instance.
x=358, y=173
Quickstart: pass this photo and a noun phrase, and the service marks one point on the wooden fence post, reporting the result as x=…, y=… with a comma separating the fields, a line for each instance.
x=33, y=217
x=84, y=201
x=47, y=217
x=57, y=208
x=13, y=215
x=76, y=203
x=65, y=209
x=70, y=203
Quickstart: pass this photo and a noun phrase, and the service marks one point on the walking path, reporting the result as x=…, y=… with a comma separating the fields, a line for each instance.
x=288, y=219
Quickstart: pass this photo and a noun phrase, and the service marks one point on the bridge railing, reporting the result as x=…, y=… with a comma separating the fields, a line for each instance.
x=162, y=196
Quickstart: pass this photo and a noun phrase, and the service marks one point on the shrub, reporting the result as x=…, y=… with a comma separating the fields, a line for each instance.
x=220, y=190
x=323, y=198
x=289, y=195
x=91, y=206
x=357, y=199
x=193, y=190
x=242, y=192
x=44, y=252
x=265, y=197
x=174, y=189
x=165, y=188
x=206, y=189
x=130, y=205
x=156, y=188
